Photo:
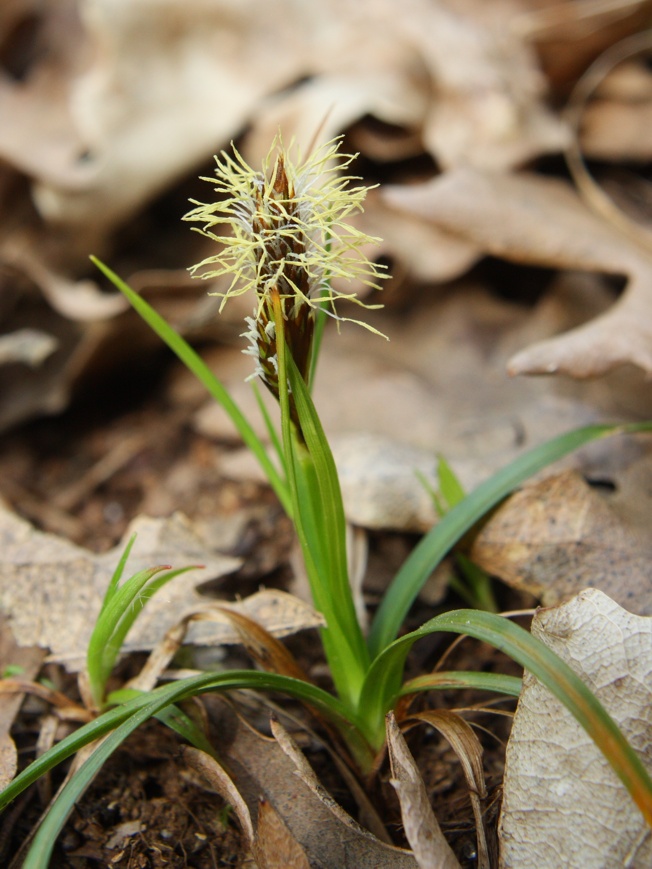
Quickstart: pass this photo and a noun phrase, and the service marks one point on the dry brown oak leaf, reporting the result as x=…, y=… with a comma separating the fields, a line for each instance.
x=559, y=536
x=543, y=222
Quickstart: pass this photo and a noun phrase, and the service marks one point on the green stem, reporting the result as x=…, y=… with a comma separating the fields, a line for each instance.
x=320, y=536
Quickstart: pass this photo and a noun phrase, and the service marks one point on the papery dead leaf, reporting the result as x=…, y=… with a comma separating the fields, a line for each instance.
x=569, y=36
x=278, y=613
x=259, y=767
x=201, y=91
x=468, y=748
x=79, y=301
x=217, y=777
x=261, y=644
x=28, y=392
x=64, y=585
x=307, y=775
x=540, y=221
x=455, y=78
x=24, y=661
x=418, y=249
x=615, y=126
x=27, y=346
x=41, y=139
x=8, y=760
x=275, y=846
x=388, y=416
x=431, y=850
x=272, y=844
x=51, y=590
x=559, y=536
x=563, y=804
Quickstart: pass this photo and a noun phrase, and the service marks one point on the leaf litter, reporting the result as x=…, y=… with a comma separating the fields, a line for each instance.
x=612, y=650
x=453, y=108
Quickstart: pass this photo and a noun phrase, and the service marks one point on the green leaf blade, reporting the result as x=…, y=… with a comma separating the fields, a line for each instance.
x=543, y=663
x=408, y=582
x=205, y=376
x=160, y=697
x=446, y=680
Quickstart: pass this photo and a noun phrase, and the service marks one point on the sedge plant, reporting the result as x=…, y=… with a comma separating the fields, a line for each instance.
x=282, y=235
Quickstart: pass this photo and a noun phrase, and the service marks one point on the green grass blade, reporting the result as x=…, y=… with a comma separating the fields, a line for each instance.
x=203, y=373
x=303, y=514
x=548, y=667
x=116, y=620
x=99, y=659
x=128, y=606
x=478, y=584
x=320, y=325
x=477, y=588
x=318, y=337
x=176, y=692
x=408, y=582
x=446, y=680
x=131, y=716
x=449, y=484
x=176, y=719
x=441, y=508
x=117, y=574
x=172, y=716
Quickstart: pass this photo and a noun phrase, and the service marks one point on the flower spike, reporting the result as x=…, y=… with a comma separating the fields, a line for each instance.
x=288, y=235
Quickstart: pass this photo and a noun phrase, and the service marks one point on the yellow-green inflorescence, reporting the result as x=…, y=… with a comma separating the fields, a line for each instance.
x=283, y=231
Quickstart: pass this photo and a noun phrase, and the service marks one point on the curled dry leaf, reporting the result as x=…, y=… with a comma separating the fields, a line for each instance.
x=8, y=760
x=261, y=768
x=217, y=778
x=466, y=745
x=615, y=126
x=254, y=621
x=96, y=150
x=115, y=149
x=305, y=772
x=569, y=35
x=563, y=804
x=539, y=221
x=431, y=850
x=275, y=846
x=411, y=407
x=272, y=844
x=260, y=643
x=559, y=536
